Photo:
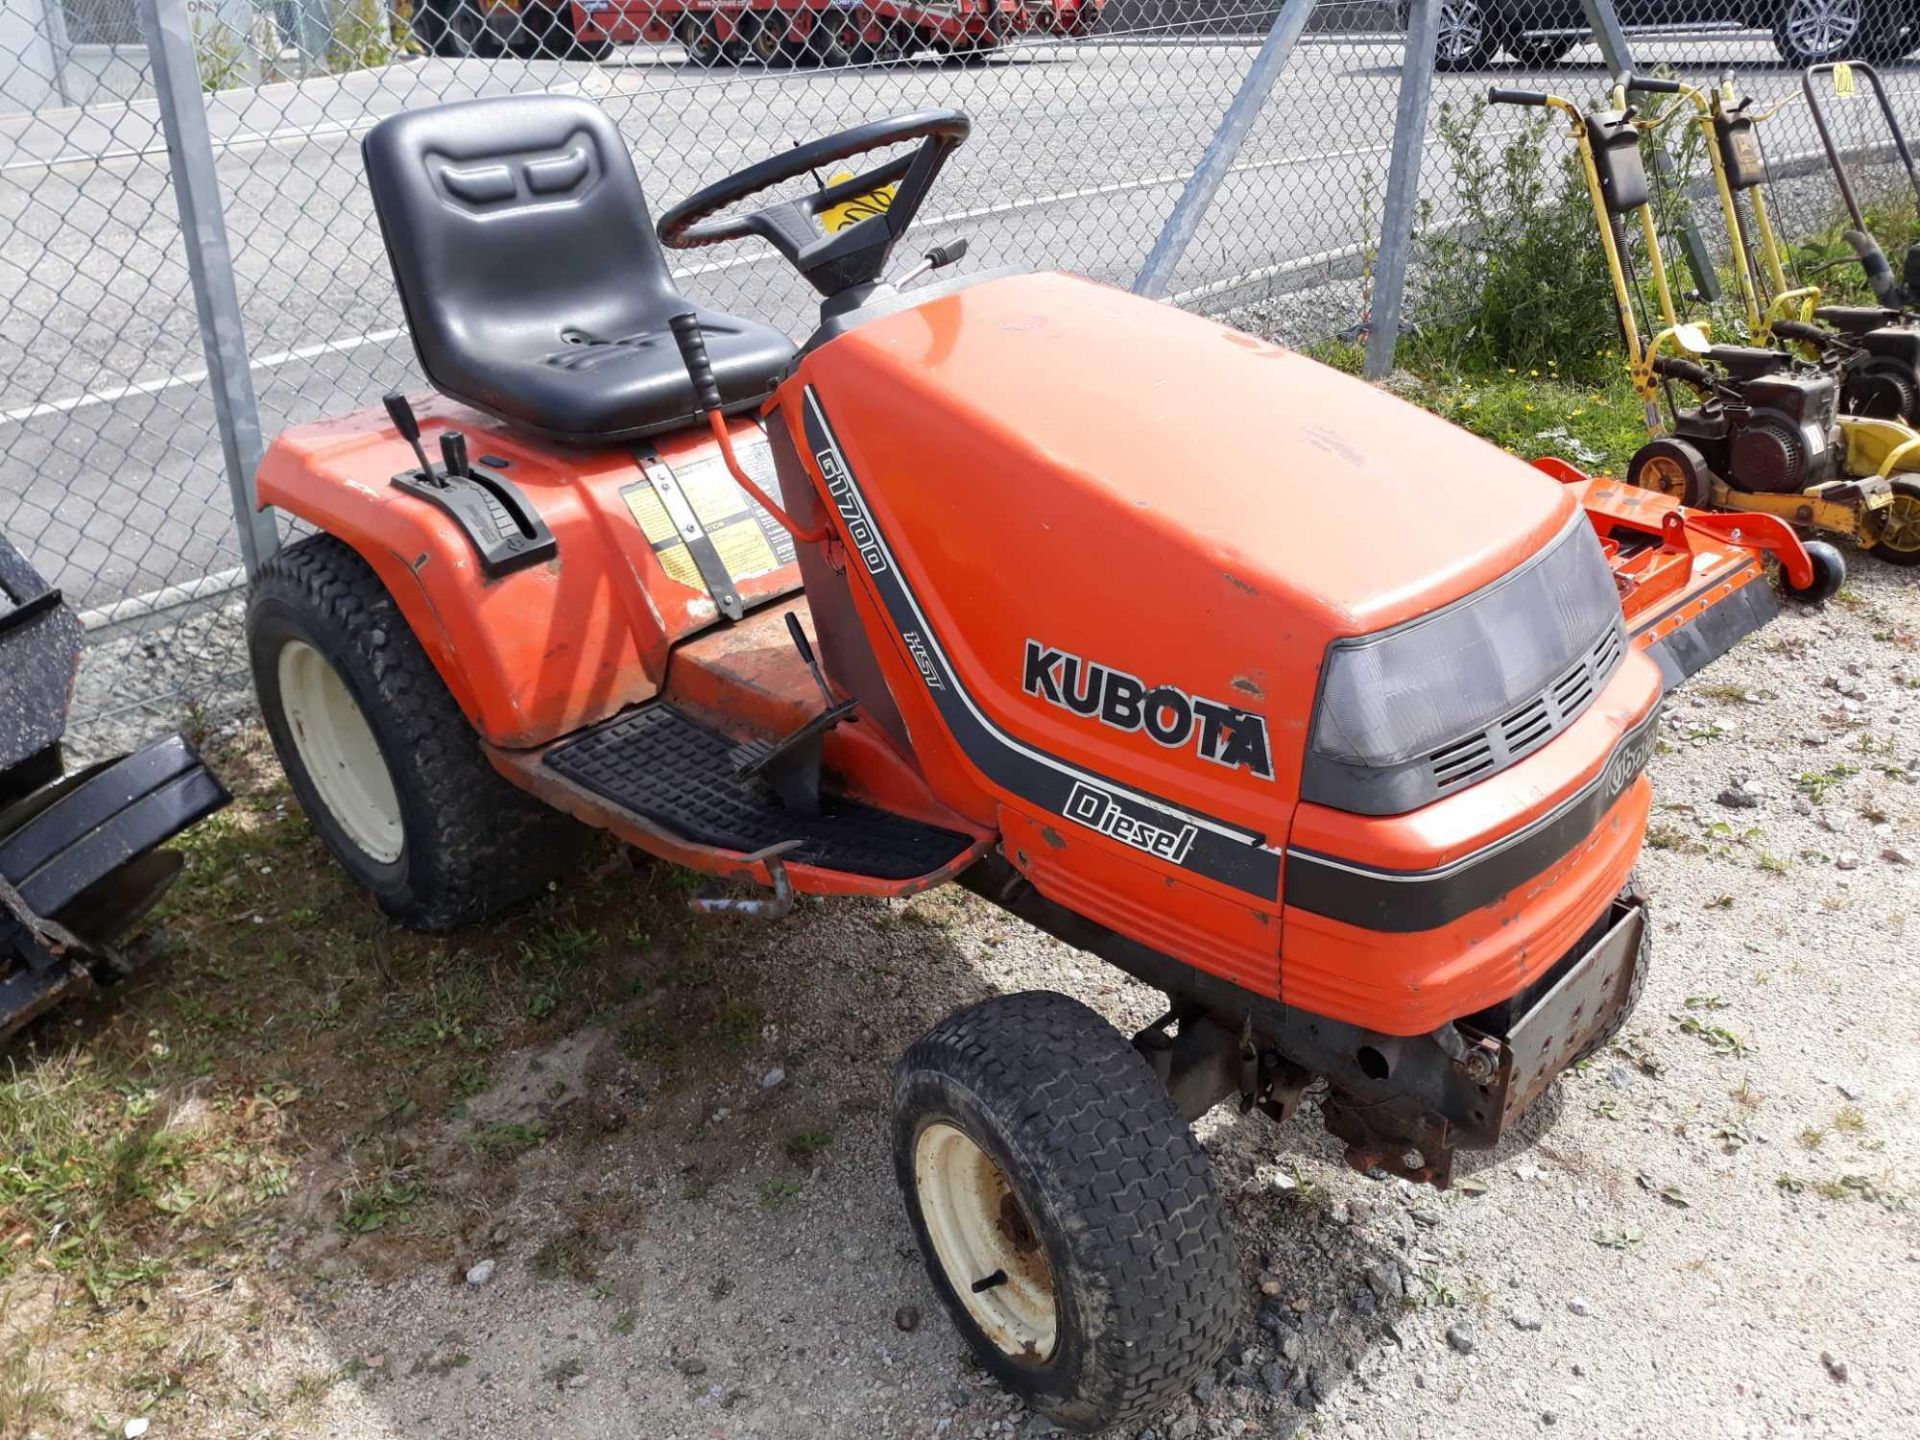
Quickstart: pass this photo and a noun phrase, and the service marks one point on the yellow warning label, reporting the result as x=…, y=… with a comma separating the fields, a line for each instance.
x=1843, y=81
x=849, y=213
x=745, y=538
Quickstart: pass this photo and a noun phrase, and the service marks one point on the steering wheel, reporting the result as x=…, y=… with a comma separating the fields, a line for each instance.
x=856, y=255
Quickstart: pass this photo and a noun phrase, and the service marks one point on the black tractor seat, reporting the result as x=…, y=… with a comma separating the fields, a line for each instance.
x=533, y=284
x=1856, y=319
x=1747, y=362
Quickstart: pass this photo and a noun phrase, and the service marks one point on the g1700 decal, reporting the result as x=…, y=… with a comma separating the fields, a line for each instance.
x=1223, y=734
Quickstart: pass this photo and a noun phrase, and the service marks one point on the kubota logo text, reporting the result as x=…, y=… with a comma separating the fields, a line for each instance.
x=1223, y=734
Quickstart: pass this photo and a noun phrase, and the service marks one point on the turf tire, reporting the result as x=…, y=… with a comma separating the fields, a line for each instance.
x=1115, y=1188
x=472, y=844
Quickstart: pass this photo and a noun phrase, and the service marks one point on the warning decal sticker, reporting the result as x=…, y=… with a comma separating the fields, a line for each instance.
x=747, y=540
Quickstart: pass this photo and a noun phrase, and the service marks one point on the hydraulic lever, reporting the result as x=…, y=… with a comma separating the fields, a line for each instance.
x=706, y=392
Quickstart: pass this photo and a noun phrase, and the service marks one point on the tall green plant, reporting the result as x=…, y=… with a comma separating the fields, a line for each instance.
x=1525, y=281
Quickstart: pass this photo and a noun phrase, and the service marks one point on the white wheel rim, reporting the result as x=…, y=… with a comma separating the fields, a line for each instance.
x=338, y=751
x=981, y=1233
x=1459, y=29
x=1822, y=27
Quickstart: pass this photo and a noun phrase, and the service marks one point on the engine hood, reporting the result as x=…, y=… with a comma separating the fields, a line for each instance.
x=1355, y=508
x=1090, y=499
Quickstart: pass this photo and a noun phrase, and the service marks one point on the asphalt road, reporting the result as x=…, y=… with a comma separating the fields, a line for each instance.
x=110, y=472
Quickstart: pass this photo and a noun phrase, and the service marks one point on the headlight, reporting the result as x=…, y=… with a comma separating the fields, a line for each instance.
x=1461, y=693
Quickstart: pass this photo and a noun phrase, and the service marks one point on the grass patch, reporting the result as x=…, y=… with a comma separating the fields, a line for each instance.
x=507, y=1140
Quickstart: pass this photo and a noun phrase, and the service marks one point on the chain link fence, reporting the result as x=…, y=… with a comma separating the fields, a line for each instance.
x=1094, y=124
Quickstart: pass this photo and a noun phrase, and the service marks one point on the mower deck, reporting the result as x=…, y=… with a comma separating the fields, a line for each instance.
x=1692, y=585
x=662, y=764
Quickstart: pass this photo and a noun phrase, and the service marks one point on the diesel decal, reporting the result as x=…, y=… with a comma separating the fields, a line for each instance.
x=1136, y=825
x=852, y=510
x=1223, y=734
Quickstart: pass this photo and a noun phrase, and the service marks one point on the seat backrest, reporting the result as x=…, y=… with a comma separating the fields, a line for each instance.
x=512, y=224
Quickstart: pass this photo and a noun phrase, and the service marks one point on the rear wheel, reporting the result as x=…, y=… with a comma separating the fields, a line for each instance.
x=384, y=764
x=1893, y=532
x=1674, y=469
x=1067, y=1216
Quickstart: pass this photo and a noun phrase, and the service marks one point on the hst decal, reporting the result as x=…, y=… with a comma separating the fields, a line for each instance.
x=1220, y=733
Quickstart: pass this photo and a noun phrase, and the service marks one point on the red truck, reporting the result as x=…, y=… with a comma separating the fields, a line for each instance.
x=768, y=32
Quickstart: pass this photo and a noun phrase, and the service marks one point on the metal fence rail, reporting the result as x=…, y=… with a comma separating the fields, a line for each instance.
x=189, y=259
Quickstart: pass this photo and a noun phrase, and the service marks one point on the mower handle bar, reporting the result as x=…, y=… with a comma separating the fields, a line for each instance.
x=1500, y=95
x=1654, y=85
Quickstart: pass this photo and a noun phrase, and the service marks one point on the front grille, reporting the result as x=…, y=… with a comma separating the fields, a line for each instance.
x=1527, y=727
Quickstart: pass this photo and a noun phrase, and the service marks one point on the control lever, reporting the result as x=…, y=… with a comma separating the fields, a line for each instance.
x=453, y=454
x=408, y=424
x=706, y=394
x=805, y=647
x=937, y=258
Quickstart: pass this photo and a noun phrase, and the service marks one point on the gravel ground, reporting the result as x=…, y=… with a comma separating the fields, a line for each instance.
x=1707, y=1232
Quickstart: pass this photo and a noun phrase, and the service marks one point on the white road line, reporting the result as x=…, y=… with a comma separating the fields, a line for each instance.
x=117, y=393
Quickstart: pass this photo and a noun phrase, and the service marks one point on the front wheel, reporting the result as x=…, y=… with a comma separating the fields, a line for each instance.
x=1829, y=574
x=1812, y=32
x=386, y=767
x=1893, y=532
x=1066, y=1214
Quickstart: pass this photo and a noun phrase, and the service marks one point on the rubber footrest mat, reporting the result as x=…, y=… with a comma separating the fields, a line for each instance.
x=659, y=763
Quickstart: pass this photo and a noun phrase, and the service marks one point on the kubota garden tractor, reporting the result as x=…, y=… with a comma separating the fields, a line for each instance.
x=1015, y=580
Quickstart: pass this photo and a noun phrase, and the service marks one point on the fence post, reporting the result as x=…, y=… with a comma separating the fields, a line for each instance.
x=1222, y=150
x=1403, y=187
x=1612, y=40
x=172, y=55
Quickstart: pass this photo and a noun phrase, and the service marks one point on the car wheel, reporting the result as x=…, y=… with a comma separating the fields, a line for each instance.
x=1811, y=32
x=701, y=40
x=1068, y=1218
x=768, y=42
x=387, y=769
x=455, y=29
x=1466, y=38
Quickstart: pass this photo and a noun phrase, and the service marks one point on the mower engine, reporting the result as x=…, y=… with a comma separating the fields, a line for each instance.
x=1772, y=424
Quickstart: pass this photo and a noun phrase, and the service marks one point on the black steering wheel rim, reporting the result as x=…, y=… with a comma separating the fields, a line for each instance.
x=687, y=227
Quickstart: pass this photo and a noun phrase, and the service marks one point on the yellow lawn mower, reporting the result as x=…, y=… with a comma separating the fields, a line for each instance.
x=1765, y=432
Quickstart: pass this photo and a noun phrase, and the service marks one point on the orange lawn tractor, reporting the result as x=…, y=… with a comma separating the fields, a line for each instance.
x=1285, y=697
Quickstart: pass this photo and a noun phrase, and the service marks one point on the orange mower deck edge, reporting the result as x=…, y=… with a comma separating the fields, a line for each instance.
x=885, y=610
